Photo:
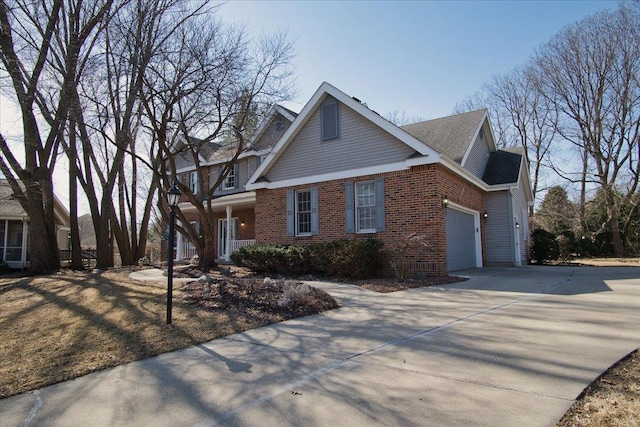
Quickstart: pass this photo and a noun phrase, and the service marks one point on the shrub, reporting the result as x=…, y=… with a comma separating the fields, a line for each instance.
x=263, y=259
x=340, y=258
x=358, y=259
x=398, y=253
x=544, y=246
x=566, y=244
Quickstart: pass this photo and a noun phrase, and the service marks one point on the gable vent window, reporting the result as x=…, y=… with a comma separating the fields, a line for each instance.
x=329, y=118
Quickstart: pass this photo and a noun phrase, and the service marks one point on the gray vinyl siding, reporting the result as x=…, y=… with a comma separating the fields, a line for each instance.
x=360, y=144
x=183, y=161
x=498, y=238
x=272, y=134
x=479, y=155
x=243, y=177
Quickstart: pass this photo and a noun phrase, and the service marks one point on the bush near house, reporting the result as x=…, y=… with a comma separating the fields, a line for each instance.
x=358, y=259
x=544, y=246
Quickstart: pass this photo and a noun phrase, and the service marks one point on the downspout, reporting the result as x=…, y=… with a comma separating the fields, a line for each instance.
x=512, y=227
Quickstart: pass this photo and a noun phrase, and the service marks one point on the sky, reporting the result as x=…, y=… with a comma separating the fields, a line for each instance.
x=416, y=57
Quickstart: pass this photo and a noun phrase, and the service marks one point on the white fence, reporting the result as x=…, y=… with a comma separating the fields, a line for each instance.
x=237, y=244
x=188, y=250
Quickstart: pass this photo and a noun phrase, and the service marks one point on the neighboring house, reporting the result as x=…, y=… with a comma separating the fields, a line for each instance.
x=14, y=228
x=341, y=171
x=232, y=203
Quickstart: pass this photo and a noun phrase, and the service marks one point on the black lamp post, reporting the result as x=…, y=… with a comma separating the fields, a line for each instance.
x=173, y=196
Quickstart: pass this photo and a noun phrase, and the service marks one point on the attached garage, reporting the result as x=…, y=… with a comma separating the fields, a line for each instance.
x=461, y=240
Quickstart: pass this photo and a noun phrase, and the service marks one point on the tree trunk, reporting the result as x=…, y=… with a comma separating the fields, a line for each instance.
x=43, y=246
x=208, y=259
x=614, y=226
x=76, y=248
x=104, y=248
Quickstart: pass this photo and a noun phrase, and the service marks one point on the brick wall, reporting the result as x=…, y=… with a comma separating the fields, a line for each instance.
x=413, y=203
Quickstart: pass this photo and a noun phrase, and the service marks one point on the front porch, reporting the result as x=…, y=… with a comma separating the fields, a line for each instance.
x=235, y=226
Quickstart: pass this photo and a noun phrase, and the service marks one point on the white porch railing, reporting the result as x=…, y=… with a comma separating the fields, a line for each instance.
x=188, y=250
x=237, y=244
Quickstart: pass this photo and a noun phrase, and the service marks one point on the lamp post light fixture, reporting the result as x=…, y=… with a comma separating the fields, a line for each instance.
x=173, y=196
x=485, y=215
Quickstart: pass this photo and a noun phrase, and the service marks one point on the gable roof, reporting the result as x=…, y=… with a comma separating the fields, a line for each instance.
x=11, y=208
x=503, y=167
x=264, y=124
x=451, y=135
x=212, y=152
x=319, y=96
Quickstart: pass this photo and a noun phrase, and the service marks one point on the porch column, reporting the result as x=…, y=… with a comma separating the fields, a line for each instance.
x=179, y=255
x=25, y=242
x=227, y=247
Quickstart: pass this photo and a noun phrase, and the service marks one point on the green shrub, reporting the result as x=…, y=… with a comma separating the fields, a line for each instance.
x=263, y=259
x=340, y=258
x=544, y=246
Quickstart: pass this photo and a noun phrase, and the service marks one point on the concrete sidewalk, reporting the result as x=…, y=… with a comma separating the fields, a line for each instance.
x=507, y=347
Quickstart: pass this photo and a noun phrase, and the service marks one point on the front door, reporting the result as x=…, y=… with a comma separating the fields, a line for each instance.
x=222, y=235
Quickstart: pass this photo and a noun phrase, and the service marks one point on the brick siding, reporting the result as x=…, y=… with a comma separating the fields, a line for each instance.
x=413, y=203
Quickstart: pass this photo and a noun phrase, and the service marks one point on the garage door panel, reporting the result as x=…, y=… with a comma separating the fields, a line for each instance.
x=461, y=240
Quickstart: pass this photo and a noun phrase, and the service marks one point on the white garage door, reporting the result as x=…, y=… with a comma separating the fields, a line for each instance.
x=461, y=240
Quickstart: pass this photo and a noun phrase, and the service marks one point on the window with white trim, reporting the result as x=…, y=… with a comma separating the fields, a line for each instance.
x=230, y=180
x=303, y=212
x=365, y=207
x=193, y=180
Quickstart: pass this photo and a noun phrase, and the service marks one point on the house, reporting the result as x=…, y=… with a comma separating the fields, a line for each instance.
x=232, y=204
x=341, y=171
x=14, y=228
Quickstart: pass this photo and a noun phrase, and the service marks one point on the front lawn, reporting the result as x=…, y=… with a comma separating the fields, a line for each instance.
x=55, y=328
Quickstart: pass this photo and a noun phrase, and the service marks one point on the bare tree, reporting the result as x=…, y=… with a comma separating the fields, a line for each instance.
x=206, y=92
x=501, y=123
x=401, y=118
x=532, y=119
x=41, y=80
x=107, y=110
x=589, y=73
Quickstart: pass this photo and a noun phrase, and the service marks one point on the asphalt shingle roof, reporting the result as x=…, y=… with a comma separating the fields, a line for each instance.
x=8, y=205
x=503, y=167
x=449, y=136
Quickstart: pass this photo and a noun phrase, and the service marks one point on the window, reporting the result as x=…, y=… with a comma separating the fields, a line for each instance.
x=303, y=213
x=193, y=180
x=230, y=180
x=365, y=207
x=13, y=238
x=279, y=125
x=329, y=119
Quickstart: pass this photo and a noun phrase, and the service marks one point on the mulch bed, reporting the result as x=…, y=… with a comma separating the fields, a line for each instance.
x=390, y=285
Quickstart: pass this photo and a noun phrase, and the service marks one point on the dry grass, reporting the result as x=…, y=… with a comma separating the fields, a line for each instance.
x=612, y=401
x=608, y=262
x=55, y=328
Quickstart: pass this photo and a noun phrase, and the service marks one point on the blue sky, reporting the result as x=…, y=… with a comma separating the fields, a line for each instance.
x=416, y=57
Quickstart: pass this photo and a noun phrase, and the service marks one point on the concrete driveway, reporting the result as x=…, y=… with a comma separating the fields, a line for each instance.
x=507, y=347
